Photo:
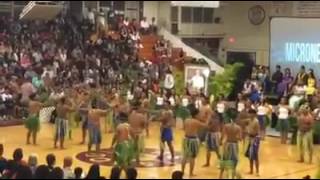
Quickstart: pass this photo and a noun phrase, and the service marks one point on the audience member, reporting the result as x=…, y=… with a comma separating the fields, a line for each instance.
x=33, y=163
x=3, y=161
x=132, y=173
x=177, y=175
x=18, y=157
x=42, y=172
x=51, y=161
x=94, y=172
x=24, y=172
x=78, y=172
x=56, y=173
x=67, y=171
x=144, y=26
x=115, y=173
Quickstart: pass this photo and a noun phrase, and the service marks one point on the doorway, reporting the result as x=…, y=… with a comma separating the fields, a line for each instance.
x=248, y=59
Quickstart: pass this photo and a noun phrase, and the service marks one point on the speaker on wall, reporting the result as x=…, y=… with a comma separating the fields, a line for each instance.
x=217, y=20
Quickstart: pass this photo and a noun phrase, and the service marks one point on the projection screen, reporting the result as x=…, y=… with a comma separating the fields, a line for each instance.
x=295, y=42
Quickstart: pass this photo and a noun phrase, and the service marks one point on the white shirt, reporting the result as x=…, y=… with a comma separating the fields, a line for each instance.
x=220, y=107
x=262, y=111
x=51, y=74
x=129, y=96
x=241, y=107
x=63, y=57
x=68, y=173
x=198, y=103
x=6, y=97
x=135, y=37
x=283, y=113
x=172, y=101
x=91, y=17
x=160, y=101
x=144, y=24
x=126, y=23
x=185, y=102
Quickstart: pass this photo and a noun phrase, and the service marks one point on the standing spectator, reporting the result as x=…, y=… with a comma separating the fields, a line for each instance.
x=286, y=83
x=91, y=17
x=153, y=26
x=67, y=171
x=276, y=78
x=302, y=77
x=144, y=26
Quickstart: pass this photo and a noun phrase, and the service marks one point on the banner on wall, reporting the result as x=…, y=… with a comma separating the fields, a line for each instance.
x=207, y=4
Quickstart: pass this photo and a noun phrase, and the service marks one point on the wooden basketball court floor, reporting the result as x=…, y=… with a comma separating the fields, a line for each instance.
x=277, y=161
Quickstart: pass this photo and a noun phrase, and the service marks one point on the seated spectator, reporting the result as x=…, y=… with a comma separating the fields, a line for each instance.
x=144, y=26
x=18, y=157
x=33, y=163
x=177, y=175
x=42, y=172
x=94, y=172
x=51, y=161
x=3, y=161
x=24, y=172
x=132, y=173
x=115, y=173
x=10, y=170
x=67, y=171
x=126, y=22
x=307, y=177
x=56, y=173
x=78, y=173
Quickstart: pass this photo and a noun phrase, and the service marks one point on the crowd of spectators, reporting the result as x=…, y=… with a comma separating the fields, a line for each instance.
x=18, y=168
x=44, y=57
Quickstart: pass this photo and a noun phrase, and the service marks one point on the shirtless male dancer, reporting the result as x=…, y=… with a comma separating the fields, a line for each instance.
x=138, y=123
x=94, y=125
x=123, y=150
x=61, y=122
x=213, y=137
x=305, y=134
x=191, y=142
x=121, y=112
x=205, y=113
x=166, y=132
x=253, y=131
x=33, y=122
x=231, y=136
x=243, y=117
